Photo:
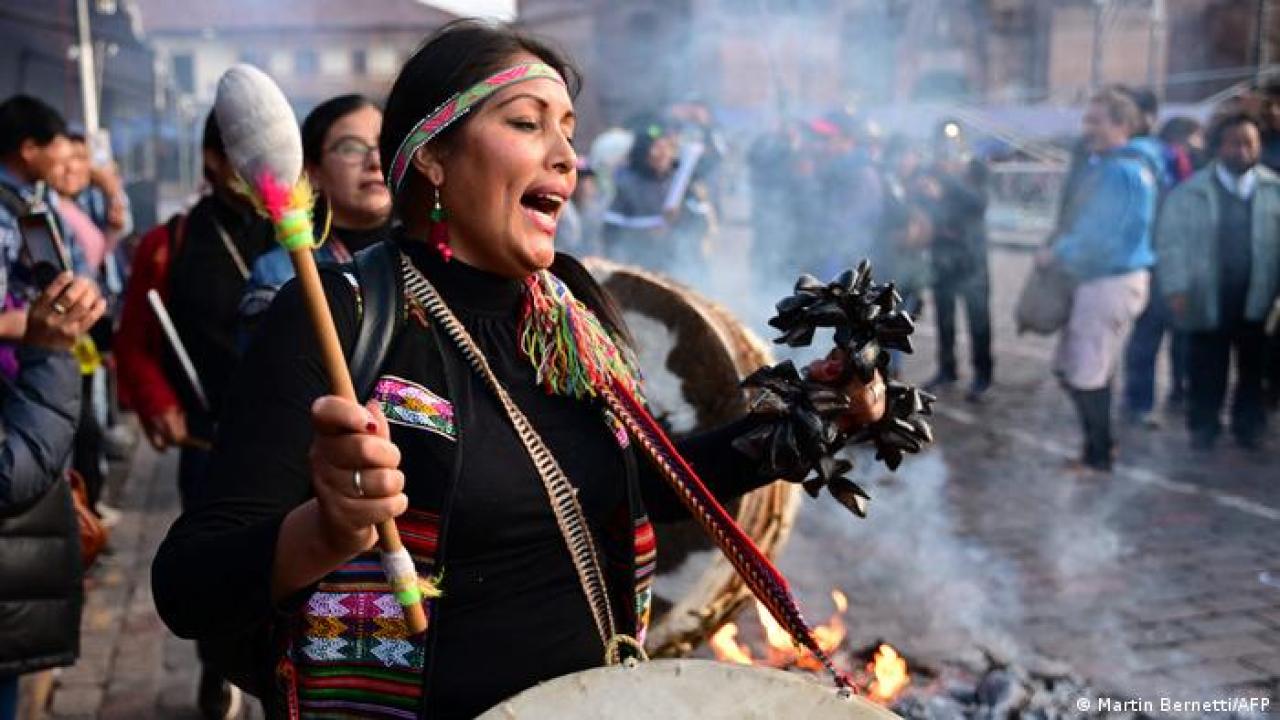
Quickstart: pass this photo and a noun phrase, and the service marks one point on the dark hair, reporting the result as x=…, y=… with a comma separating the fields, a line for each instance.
x=1179, y=129
x=24, y=118
x=1221, y=124
x=645, y=129
x=1148, y=107
x=211, y=140
x=322, y=118
x=457, y=56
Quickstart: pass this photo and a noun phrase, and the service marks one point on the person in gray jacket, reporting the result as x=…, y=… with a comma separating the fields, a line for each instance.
x=1219, y=269
x=40, y=575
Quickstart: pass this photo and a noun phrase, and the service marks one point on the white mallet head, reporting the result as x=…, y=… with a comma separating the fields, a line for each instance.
x=258, y=126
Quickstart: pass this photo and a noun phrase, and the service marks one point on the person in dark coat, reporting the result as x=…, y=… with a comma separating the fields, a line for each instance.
x=953, y=191
x=40, y=574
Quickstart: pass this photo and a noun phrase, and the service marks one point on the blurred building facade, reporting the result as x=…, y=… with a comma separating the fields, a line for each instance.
x=39, y=55
x=770, y=57
x=315, y=49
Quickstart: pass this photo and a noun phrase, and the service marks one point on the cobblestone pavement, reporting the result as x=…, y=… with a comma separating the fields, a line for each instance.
x=1161, y=579
x=131, y=667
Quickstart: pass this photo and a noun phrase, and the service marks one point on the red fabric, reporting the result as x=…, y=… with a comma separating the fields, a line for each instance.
x=140, y=343
x=1183, y=167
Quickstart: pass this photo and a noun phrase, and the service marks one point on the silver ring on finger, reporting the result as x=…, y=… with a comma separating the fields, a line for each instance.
x=59, y=309
x=356, y=482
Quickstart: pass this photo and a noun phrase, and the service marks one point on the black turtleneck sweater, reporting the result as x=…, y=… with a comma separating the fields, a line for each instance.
x=513, y=613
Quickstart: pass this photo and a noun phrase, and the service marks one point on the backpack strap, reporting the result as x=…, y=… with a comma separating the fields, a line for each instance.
x=13, y=201
x=382, y=305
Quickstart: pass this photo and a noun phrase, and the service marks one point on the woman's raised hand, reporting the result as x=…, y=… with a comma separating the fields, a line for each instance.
x=866, y=400
x=354, y=471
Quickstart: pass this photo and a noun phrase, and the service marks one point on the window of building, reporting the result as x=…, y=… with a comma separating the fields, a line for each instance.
x=281, y=63
x=335, y=62
x=305, y=62
x=254, y=57
x=359, y=62
x=383, y=61
x=184, y=72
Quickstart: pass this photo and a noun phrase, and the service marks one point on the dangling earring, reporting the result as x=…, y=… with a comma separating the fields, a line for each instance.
x=440, y=230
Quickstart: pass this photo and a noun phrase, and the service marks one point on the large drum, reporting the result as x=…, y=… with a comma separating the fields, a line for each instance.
x=685, y=689
x=693, y=354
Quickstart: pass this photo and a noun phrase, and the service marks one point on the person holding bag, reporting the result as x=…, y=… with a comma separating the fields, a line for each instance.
x=1105, y=247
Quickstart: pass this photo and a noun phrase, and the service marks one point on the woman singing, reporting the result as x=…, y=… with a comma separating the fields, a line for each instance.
x=477, y=141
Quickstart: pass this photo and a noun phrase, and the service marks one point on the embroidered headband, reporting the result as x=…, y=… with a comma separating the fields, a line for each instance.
x=456, y=108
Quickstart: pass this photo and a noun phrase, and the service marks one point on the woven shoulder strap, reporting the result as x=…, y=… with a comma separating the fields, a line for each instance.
x=561, y=493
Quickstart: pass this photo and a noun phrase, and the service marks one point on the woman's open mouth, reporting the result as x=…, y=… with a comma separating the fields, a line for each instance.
x=543, y=209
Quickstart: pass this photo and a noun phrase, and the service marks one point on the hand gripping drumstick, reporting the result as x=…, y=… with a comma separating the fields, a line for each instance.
x=265, y=148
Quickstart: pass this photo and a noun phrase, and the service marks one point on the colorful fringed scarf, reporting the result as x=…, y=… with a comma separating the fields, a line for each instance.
x=573, y=353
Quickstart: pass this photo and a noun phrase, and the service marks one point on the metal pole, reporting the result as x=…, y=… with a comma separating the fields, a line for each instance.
x=1095, y=65
x=1262, y=41
x=1155, y=49
x=88, y=77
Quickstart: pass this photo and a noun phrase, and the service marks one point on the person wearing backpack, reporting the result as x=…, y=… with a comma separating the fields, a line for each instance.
x=199, y=264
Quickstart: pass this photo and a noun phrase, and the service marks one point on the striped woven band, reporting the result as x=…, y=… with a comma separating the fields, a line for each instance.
x=456, y=108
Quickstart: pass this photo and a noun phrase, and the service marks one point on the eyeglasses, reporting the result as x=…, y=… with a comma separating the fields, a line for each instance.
x=353, y=151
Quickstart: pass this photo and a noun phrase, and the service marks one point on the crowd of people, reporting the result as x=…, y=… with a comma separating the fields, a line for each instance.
x=1174, y=233
x=189, y=337
x=1163, y=230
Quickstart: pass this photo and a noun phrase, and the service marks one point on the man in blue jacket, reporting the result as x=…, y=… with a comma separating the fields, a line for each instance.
x=1105, y=244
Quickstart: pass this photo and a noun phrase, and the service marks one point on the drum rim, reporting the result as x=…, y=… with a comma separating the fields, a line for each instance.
x=675, y=667
x=767, y=514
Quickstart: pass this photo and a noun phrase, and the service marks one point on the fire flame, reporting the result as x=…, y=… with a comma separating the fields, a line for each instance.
x=726, y=646
x=885, y=677
x=890, y=672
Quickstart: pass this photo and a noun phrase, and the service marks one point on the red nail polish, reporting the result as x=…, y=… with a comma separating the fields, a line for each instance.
x=371, y=427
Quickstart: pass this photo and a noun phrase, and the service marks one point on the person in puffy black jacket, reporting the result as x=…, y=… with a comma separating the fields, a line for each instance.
x=40, y=574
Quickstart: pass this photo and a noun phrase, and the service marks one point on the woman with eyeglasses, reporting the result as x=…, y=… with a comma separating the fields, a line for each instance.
x=340, y=152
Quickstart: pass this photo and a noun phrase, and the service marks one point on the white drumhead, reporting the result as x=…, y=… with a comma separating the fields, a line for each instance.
x=684, y=690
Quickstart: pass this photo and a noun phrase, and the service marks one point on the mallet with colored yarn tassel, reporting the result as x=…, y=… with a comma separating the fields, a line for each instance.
x=265, y=148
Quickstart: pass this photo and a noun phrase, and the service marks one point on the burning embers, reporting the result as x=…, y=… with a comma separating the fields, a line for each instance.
x=1035, y=689
x=882, y=679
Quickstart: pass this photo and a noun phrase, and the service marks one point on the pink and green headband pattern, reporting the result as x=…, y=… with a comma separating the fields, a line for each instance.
x=457, y=107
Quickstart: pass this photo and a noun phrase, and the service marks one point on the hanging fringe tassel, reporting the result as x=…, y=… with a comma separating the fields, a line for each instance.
x=766, y=583
x=570, y=349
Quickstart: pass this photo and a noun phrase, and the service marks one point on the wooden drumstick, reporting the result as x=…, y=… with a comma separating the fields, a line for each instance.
x=335, y=365
x=265, y=148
